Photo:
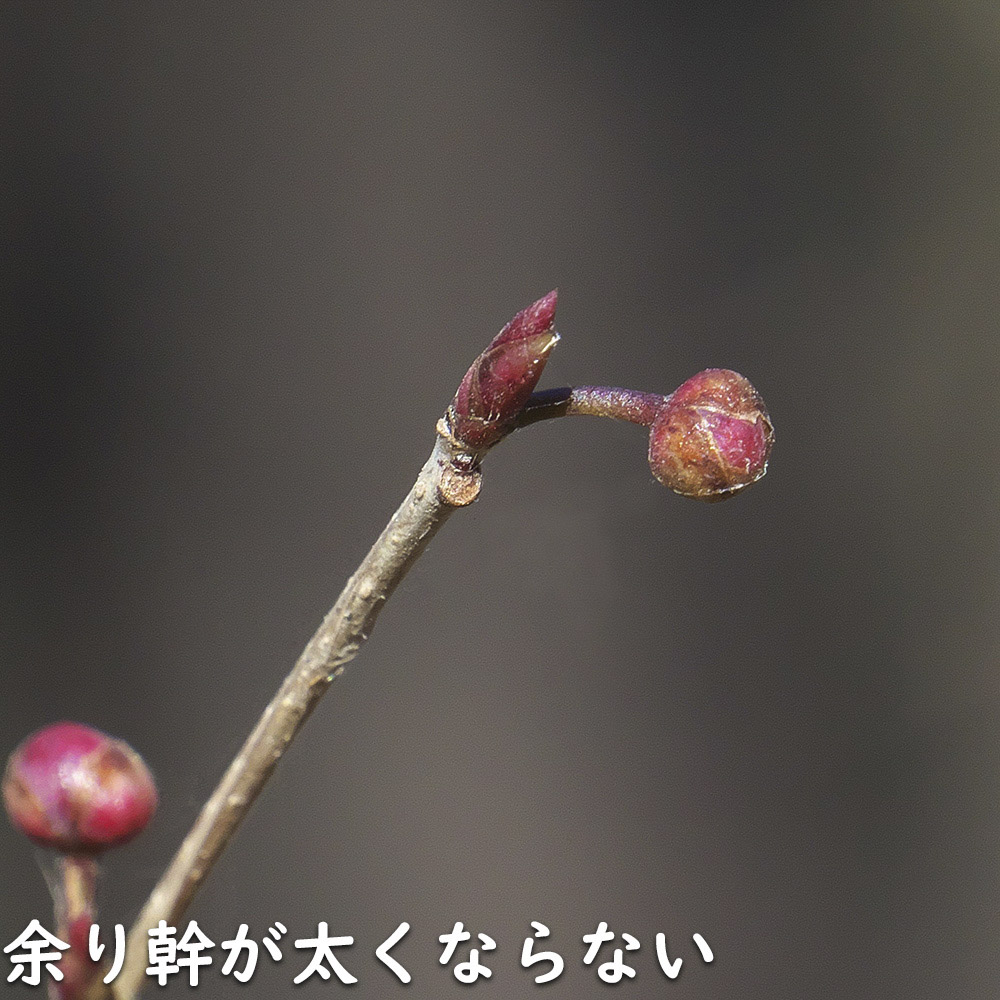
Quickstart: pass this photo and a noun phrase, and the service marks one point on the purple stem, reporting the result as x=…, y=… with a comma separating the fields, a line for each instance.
x=594, y=401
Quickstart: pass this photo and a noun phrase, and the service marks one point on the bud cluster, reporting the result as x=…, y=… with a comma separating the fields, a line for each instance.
x=708, y=440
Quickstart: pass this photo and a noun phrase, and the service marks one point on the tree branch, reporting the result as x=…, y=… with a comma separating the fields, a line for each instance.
x=448, y=480
x=592, y=401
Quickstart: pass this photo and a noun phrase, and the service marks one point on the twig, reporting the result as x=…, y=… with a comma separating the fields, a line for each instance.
x=73, y=881
x=592, y=401
x=483, y=411
x=449, y=479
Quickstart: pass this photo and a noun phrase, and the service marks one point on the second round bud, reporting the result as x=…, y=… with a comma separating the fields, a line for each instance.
x=712, y=437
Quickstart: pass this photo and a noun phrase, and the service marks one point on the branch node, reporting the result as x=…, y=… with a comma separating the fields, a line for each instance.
x=459, y=487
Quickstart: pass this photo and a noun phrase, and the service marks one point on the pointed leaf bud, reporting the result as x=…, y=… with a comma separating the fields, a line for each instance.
x=712, y=436
x=502, y=378
x=77, y=790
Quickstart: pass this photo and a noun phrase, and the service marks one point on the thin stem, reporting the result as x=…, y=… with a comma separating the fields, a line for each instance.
x=73, y=883
x=594, y=401
x=443, y=484
x=78, y=879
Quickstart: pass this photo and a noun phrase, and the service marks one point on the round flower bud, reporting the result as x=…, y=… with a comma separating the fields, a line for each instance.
x=712, y=436
x=77, y=790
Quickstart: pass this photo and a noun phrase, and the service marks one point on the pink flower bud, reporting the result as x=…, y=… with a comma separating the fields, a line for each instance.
x=502, y=378
x=77, y=790
x=712, y=436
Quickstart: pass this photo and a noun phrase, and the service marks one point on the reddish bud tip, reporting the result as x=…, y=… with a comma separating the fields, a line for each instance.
x=77, y=790
x=502, y=378
x=712, y=436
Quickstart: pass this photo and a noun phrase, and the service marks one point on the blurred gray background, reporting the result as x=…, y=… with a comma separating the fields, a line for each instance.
x=252, y=249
